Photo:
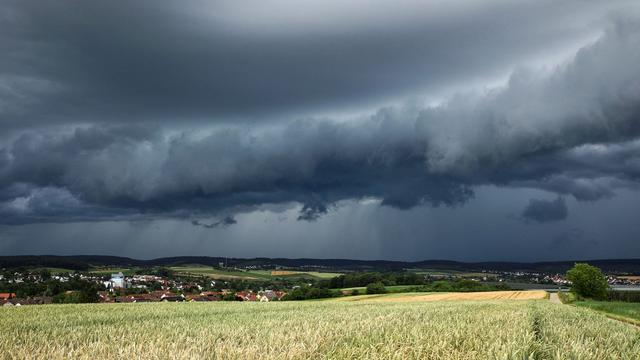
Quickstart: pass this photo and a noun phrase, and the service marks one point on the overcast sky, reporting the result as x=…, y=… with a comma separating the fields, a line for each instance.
x=408, y=130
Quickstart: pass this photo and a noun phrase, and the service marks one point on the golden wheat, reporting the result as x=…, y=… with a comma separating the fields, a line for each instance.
x=314, y=330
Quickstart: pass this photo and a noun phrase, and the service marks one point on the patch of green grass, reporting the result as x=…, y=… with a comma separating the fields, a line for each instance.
x=229, y=273
x=215, y=273
x=567, y=297
x=317, y=274
x=109, y=271
x=53, y=270
x=623, y=309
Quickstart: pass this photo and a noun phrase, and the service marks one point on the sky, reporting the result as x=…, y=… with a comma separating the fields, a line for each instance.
x=406, y=130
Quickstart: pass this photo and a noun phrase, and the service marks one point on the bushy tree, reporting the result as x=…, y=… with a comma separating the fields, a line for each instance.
x=308, y=292
x=376, y=288
x=588, y=281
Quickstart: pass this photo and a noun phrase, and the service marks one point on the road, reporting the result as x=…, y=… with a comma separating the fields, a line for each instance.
x=554, y=298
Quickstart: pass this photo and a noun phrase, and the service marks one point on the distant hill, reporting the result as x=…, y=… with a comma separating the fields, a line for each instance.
x=84, y=262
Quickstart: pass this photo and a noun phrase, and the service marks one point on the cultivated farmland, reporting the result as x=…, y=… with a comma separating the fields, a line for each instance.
x=532, y=329
x=454, y=296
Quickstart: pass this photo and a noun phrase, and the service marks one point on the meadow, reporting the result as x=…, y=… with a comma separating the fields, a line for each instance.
x=627, y=310
x=233, y=274
x=498, y=329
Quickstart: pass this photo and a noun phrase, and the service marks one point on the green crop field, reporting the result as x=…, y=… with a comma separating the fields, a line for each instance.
x=214, y=273
x=230, y=274
x=315, y=330
x=627, y=310
x=109, y=271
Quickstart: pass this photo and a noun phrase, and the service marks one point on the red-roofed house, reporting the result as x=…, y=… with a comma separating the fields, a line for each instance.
x=7, y=296
x=246, y=296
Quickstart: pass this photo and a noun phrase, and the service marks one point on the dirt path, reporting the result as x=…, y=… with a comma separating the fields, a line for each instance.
x=554, y=298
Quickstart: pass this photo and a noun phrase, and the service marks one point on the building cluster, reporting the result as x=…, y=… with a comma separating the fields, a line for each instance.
x=166, y=296
x=624, y=280
x=10, y=299
x=131, y=289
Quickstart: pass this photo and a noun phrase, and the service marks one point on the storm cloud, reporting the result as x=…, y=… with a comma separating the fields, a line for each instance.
x=533, y=132
x=192, y=111
x=545, y=210
x=221, y=61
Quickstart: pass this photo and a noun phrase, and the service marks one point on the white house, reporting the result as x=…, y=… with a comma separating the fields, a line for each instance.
x=117, y=280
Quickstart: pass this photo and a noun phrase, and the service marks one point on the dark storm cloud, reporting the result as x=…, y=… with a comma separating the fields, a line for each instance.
x=225, y=222
x=123, y=61
x=310, y=162
x=545, y=210
x=557, y=131
x=312, y=212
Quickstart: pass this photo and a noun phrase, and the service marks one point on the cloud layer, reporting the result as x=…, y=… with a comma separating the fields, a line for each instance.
x=220, y=61
x=572, y=130
x=121, y=111
x=545, y=210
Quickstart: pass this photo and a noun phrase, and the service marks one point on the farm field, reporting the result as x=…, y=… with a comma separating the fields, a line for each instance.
x=109, y=271
x=320, y=275
x=441, y=272
x=619, y=309
x=454, y=296
x=315, y=330
x=392, y=288
x=219, y=273
x=231, y=274
x=52, y=270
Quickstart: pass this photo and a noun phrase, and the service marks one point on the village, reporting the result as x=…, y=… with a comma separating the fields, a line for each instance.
x=41, y=287
x=119, y=288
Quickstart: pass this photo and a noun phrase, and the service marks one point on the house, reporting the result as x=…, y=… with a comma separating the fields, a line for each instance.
x=172, y=297
x=7, y=296
x=117, y=281
x=270, y=295
x=141, y=298
x=124, y=299
x=36, y=300
x=105, y=296
x=213, y=295
x=246, y=296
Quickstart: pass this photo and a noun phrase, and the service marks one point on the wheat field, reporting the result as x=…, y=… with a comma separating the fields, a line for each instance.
x=454, y=296
x=315, y=330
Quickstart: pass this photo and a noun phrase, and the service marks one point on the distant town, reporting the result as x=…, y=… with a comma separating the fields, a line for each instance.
x=256, y=283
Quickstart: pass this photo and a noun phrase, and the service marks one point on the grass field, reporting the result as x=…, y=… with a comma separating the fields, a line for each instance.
x=317, y=274
x=52, y=270
x=315, y=330
x=626, y=310
x=219, y=273
x=231, y=274
x=109, y=271
x=459, y=273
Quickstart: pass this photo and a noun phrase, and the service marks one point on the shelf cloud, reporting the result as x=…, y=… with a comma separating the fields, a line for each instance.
x=206, y=110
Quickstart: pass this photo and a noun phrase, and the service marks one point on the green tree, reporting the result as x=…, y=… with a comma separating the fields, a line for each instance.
x=376, y=288
x=588, y=281
x=45, y=274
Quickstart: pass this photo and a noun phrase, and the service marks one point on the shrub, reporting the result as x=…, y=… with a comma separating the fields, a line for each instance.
x=376, y=288
x=308, y=292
